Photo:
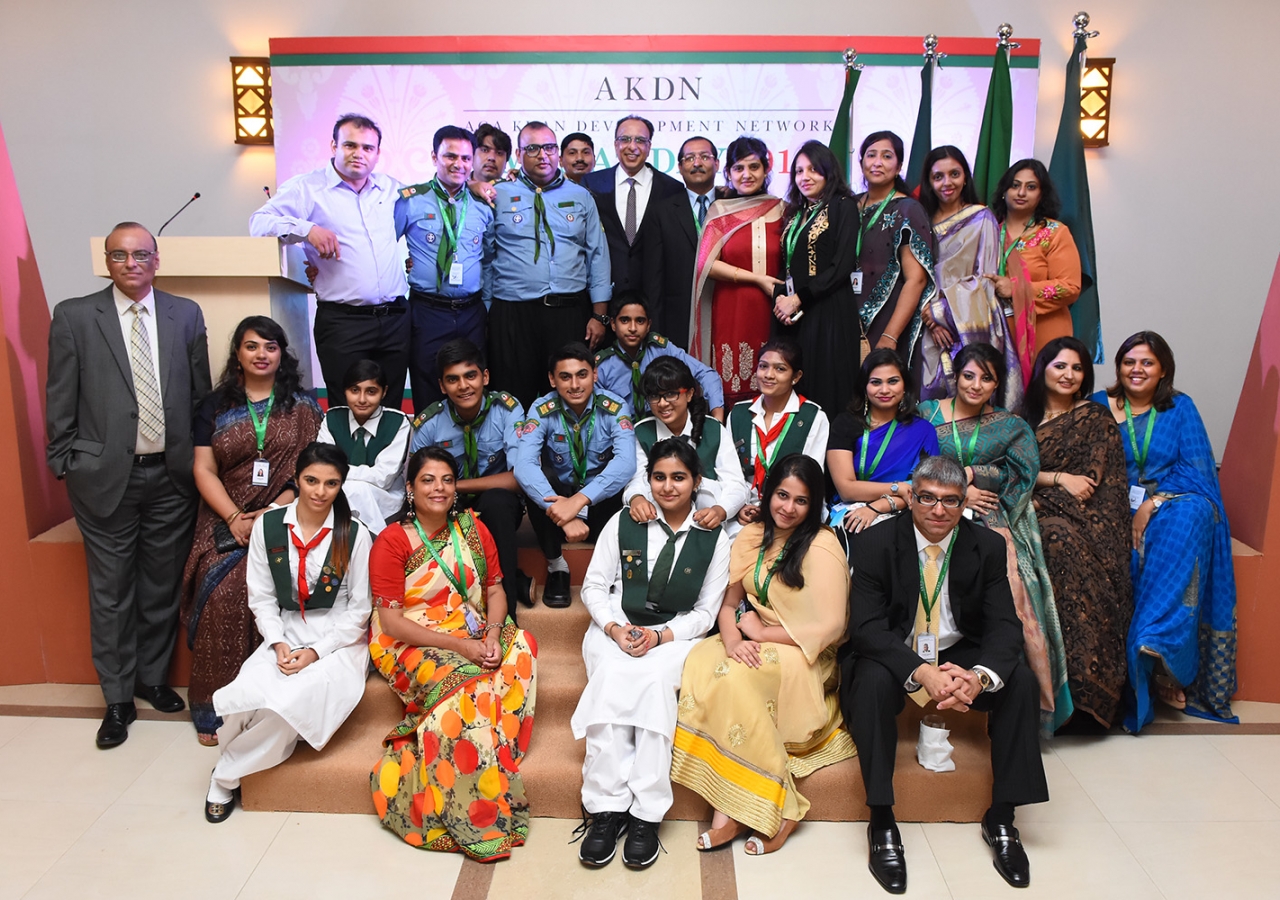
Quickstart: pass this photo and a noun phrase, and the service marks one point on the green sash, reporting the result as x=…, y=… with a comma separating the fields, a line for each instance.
x=792, y=441
x=651, y=604
x=647, y=435
x=340, y=428
x=275, y=534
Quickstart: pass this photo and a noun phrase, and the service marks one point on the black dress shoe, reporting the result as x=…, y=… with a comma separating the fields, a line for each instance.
x=162, y=697
x=601, y=841
x=888, y=862
x=219, y=812
x=524, y=589
x=556, y=592
x=641, y=846
x=1010, y=859
x=114, y=729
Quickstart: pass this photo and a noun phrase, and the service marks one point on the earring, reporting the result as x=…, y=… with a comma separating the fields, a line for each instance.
x=413, y=513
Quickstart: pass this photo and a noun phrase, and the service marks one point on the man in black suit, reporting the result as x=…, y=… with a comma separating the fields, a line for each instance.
x=627, y=196
x=931, y=615
x=683, y=216
x=127, y=367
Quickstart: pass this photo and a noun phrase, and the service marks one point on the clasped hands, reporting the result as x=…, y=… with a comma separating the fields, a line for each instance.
x=563, y=511
x=642, y=510
x=632, y=644
x=948, y=685
x=484, y=651
x=786, y=307
x=745, y=645
x=290, y=661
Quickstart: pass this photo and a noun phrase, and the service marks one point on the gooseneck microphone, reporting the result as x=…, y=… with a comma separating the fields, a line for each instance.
x=194, y=198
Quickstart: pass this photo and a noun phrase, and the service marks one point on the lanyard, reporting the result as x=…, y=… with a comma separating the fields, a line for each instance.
x=864, y=227
x=1005, y=252
x=470, y=449
x=762, y=590
x=795, y=229
x=762, y=438
x=577, y=446
x=931, y=602
x=1139, y=458
x=457, y=577
x=863, y=473
x=965, y=459
x=260, y=425
x=453, y=216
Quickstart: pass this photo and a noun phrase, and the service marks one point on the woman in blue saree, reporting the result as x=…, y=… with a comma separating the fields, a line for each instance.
x=1182, y=639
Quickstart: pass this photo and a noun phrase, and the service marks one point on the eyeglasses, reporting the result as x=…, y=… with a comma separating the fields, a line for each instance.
x=665, y=397
x=142, y=257
x=951, y=502
x=631, y=139
x=539, y=149
x=698, y=157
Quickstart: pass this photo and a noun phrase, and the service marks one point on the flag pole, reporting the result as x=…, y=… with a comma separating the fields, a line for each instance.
x=995, y=137
x=922, y=140
x=840, y=132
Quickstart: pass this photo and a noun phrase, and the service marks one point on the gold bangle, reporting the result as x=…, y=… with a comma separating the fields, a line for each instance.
x=235, y=515
x=892, y=338
x=736, y=270
x=1056, y=476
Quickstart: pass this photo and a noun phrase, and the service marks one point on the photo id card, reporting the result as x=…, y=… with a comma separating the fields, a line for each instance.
x=927, y=647
x=261, y=473
x=455, y=273
x=855, y=279
x=1137, y=494
x=791, y=286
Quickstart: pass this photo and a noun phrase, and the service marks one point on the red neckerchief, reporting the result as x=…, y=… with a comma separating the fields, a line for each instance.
x=303, y=591
x=764, y=439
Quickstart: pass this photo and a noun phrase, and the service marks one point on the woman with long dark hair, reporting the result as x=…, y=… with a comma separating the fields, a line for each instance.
x=755, y=712
x=248, y=434
x=308, y=591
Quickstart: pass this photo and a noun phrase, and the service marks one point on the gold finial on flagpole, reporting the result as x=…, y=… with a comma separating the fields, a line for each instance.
x=851, y=59
x=1081, y=21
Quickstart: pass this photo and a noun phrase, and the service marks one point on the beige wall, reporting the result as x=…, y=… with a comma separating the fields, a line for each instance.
x=115, y=111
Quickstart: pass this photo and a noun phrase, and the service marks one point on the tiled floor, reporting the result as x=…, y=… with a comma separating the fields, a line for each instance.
x=1154, y=816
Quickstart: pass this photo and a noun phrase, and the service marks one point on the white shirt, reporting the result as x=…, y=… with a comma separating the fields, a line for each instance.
x=644, y=186
x=387, y=470
x=728, y=490
x=815, y=442
x=142, y=446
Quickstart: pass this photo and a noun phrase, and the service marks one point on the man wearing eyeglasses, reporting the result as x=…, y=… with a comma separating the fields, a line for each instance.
x=127, y=367
x=546, y=272
x=931, y=616
x=682, y=218
x=627, y=194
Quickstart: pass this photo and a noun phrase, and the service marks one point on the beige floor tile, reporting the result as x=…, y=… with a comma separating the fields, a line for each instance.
x=30, y=843
x=833, y=853
x=355, y=849
x=11, y=726
x=1068, y=801
x=50, y=754
x=1207, y=859
x=179, y=775
x=1157, y=778
x=1255, y=755
x=157, y=852
x=547, y=868
x=1068, y=860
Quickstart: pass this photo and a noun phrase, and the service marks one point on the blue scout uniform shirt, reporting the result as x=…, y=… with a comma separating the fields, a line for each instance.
x=607, y=436
x=614, y=368
x=580, y=260
x=420, y=222
x=497, y=436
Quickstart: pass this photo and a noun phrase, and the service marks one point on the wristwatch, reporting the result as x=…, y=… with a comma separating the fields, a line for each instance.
x=984, y=679
x=893, y=488
x=1156, y=500
x=601, y=318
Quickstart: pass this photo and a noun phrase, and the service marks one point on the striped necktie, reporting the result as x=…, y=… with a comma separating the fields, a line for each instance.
x=150, y=409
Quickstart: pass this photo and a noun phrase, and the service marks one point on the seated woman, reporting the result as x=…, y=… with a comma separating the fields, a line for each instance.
x=1081, y=500
x=1183, y=633
x=375, y=440
x=999, y=454
x=308, y=580
x=875, y=444
x=652, y=590
x=248, y=434
x=449, y=777
x=758, y=704
x=679, y=408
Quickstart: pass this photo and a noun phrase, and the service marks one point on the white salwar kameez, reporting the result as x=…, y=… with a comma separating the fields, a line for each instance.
x=375, y=492
x=627, y=713
x=266, y=712
x=729, y=489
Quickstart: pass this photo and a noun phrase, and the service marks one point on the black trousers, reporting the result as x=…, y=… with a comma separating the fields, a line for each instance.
x=501, y=511
x=135, y=558
x=873, y=697
x=433, y=325
x=522, y=336
x=347, y=334
x=551, y=536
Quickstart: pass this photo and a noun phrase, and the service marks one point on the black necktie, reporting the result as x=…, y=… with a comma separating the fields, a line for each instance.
x=661, y=569
x=360, y=452
x=630, y=224
x=703, y=203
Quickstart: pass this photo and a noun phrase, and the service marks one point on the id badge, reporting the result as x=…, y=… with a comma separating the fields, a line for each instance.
x=455, y=273
x=927, y=647
x=855, y=279
x=791, y=286
x=967, y=513
x=261, y=473
x=1137, y=494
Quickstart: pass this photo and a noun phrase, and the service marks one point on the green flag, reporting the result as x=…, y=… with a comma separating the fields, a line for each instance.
x=1071, y=180
x=922, y=140
x=996, y=136
x=839, y=144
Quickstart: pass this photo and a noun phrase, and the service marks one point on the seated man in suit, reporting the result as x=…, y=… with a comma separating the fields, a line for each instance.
x=932, y=616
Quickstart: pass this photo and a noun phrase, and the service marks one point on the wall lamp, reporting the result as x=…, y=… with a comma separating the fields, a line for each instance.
x=251, y=91
x=1095, y=101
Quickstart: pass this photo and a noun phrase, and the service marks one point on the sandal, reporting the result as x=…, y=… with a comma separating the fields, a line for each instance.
x=1169, y=692
x=759, y=846
x=716, y=838
x=207, y=740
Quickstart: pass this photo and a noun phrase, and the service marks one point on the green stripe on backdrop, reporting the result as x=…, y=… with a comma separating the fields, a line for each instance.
x=534, y=58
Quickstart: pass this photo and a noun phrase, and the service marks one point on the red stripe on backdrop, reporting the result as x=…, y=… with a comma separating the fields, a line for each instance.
x=960, y=46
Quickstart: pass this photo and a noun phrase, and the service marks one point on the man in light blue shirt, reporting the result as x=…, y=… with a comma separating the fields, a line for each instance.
x=345, y=214
x=546, y=266
x=444, y=226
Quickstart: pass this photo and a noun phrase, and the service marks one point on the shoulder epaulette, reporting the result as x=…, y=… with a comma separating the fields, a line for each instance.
x=507, y=400
x=606, y=353
x=428, y=414
x=548, y=407
x=612, y=407
x=657, y=340
x=412, y=189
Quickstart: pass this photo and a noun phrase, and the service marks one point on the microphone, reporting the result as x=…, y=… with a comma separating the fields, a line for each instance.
x=266, y=190
x=194, y=198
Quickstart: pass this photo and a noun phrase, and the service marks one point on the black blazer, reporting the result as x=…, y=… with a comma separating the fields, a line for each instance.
x=679, y=234
x=885, y=593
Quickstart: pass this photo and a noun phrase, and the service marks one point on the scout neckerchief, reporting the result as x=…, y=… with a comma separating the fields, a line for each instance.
x=794, y=229
x=762, y=590
x=540, y=219
x=865, y=226
x=773, y=436
x=457, y=576
x=260, y=425
x=1139, y=457
x=1005, y=252
x=637, y=373
x=863, y=473
x=577, y=445
x=304, y=593
x=470, y=448
x=453, y=219
x=965, y=459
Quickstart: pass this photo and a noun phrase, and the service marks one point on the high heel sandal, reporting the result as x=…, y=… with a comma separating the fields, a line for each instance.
x=759, y=846
x=207, y=740
x=715, y=838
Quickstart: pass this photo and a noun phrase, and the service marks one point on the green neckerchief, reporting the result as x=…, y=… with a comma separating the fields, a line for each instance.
x=863, y=473
x=791, y=236
x=864, y=227
x=578, y=446
x=973, y=438
x=260, y=425
x=470, y=448
x=453, y=220
x=637, y=373
x=1140, y=458
x=457, y=577
x=540, y=219
x=931, y=602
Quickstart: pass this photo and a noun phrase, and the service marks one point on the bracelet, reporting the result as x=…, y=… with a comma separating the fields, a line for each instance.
x=735, y=272
x=491, y=626
x=235, y=515
x=1056, y=476
x=607, y=632
x=891, y=337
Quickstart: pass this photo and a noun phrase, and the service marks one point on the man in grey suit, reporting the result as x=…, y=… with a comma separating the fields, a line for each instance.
x=127, y=366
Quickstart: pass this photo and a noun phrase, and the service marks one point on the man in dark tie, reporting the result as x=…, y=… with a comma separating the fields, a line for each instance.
x=683, y=216
x=931, y=616
x=127, y=367
x=628, y=195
